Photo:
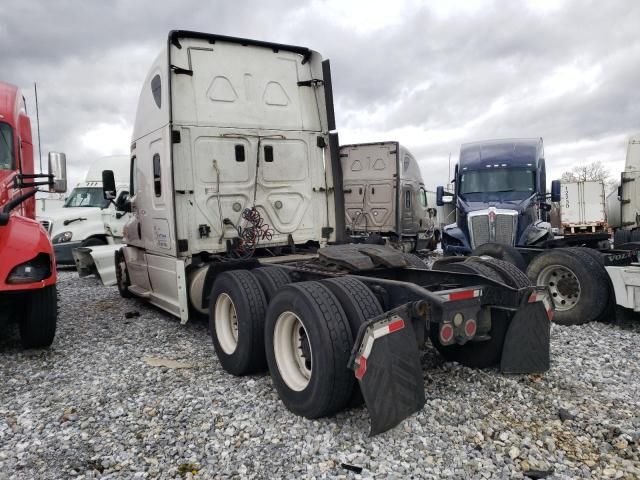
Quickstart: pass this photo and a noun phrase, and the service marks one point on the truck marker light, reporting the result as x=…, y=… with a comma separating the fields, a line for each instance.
x=446, y=333
x=463, y=295
x=470, y=327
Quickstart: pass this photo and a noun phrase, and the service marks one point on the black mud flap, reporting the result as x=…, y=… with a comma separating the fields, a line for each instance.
x=386, y=361
x=527, y=342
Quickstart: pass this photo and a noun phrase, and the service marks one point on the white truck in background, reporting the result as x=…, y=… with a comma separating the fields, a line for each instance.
x=582, y=208
x=86, y=218
x=385, y=199
x=624, y=205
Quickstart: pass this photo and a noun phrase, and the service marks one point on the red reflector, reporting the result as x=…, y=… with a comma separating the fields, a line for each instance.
x=362, y=368
x=470, y=328
x=446, y=333
x=464, y=295
x=397, y=325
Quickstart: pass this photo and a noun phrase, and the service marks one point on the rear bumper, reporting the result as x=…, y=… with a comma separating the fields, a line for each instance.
x=63, y=252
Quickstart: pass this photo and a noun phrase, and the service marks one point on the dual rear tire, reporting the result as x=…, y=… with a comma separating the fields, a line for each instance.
x=304, y=336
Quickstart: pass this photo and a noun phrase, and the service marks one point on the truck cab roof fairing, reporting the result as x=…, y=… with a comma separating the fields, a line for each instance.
x=260, y=91
x=176, y=35
x=515, y=153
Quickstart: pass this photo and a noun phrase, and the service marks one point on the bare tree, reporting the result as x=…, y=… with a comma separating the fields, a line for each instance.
x=594, y=171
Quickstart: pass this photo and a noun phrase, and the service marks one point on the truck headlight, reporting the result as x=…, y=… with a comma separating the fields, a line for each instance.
x=62, y=237
x=34, y=270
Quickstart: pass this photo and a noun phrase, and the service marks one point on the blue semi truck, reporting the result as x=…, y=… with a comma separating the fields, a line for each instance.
x=502, y=210
x=500, y=196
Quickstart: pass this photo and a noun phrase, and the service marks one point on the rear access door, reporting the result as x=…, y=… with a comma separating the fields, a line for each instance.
x=370, y=180
x=252, y=126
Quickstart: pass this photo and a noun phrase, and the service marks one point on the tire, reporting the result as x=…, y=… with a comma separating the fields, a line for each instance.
x=620, y=237
x=502, y=252
x=414, y=261
x=443, y=263
x=313, y=379
x=93, y=242
x=509, y=273
x=597, y=256
x=271, y=279
x=236, y=322
x=122, y=275
x=576, y=281
x=38, y=325
x=360, y=305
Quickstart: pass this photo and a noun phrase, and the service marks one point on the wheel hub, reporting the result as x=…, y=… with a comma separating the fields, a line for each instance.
x=563, y=284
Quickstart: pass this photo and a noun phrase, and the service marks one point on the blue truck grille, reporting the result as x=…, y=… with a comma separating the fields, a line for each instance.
x=501, y=230
x=480, y=230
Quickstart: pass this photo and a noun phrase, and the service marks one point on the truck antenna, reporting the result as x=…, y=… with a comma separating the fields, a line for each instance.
x=35, y=89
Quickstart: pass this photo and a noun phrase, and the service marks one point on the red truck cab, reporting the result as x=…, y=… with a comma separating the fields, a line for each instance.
x=27, y=264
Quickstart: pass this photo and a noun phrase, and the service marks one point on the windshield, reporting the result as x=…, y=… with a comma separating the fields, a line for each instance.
x=511, y=183
x=6, y=147
x=86, y=197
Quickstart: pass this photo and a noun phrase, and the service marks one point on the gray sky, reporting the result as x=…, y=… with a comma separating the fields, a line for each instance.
x=430, y=74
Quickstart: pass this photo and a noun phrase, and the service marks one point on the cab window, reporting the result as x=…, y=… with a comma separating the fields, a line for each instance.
x=6, y=147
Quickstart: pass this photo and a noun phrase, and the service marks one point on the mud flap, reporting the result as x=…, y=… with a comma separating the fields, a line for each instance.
x=527, y=342
x=386, y=361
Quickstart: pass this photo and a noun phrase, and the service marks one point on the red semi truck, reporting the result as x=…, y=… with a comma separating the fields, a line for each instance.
x=27, y=264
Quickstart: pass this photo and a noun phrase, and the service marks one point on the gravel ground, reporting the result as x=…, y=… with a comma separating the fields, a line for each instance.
x=92, y=406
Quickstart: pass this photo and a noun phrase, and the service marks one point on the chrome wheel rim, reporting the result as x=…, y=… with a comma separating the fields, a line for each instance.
x=563, y=284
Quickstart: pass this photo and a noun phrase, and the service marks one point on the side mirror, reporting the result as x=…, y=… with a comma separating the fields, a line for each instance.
x=619, y=192
x=57, y=172
x=108, y=185
x=439, y=195
x=555, y=191
x=123, y=203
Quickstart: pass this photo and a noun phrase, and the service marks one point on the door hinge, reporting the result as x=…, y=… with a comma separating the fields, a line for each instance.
x=314, y=82
x=181, y=71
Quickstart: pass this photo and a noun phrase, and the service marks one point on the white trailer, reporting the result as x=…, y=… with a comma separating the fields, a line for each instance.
x=582, y=208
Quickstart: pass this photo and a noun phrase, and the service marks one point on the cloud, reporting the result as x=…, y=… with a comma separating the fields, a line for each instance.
x=432, y=75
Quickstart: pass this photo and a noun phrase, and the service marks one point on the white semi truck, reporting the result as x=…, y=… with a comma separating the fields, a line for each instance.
x=384, y=196
x=86, y=219
x=237, y=213
x=624, y=206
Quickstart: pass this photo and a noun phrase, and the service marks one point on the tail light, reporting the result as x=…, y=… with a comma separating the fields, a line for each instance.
x=446, y=333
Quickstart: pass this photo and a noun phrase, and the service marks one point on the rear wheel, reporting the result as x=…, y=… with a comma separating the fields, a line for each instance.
x=236, y=322
x=308, y=344
x=620, y=237
x=360, y=305
x=576, y=281
x=38, y=325
x=415, y=261
x=510, y=274
x=272, y=279
x=122, y=275
x=502, y=252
